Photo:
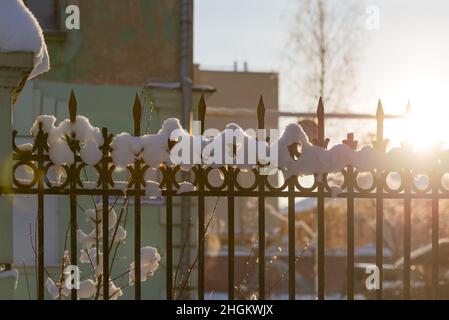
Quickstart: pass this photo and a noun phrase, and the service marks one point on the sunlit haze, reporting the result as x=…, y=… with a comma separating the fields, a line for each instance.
x=405, y=59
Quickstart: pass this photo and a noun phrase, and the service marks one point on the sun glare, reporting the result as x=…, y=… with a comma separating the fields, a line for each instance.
x=426, y=123
x=422, y=131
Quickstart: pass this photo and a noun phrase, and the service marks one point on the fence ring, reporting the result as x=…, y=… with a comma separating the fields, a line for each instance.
x=343, y=184
x=51, y=184
x=251, y=187
x=386, y=186
x=78, y=173
x=169, y=177
x=274, y=188
x=442, y=187
x=143, y=172
x=98, y=169
x=419, y=190
x=300, y=187
x=359, y=188
x=174, y=172
x=224, y=174
x=33, y=168
x=390, y=189
x=196, y=172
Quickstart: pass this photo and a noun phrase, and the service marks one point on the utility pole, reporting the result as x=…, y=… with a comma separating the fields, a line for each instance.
x=186, y=71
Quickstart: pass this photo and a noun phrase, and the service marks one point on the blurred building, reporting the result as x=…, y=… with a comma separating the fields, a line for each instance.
x=235, y=101
x=123, y=48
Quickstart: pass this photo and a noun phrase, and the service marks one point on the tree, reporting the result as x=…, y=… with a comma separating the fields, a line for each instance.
x=322, y=56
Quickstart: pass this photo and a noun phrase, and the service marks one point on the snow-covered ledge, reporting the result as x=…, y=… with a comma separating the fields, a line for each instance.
x=15, y=68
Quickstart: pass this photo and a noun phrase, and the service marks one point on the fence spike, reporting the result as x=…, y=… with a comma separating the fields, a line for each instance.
x=320, y=117
x=72, y=107
x=408, y=109
x=380, y=110
x=261, y=113
x=380, y=143
x=202, y=112
x=350, y=142
x=137, y=113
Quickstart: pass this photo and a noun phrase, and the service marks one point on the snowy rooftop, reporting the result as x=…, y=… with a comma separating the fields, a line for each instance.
x=177, y=86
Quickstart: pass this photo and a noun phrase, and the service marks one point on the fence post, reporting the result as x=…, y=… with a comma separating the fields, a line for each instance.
x=73, y=203
x=201, y=207
x=14, y=70
x=380, y=146
x=261, y=205
x=320, y=206
x=350, y=178
x=137, y=114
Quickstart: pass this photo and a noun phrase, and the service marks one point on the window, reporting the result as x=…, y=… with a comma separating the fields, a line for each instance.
x=46, y=12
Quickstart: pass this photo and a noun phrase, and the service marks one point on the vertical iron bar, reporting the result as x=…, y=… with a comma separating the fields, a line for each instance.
x=73, y=227
x=435, y=232
x=201, y=206
x=137, y=232
x=169, y=233
x=201, y=234
x=379, y=200
x=261, y=207
x=231, y=235
x=72, y=196
x=407, y=232
x=105, y=216
x=320, y=206
x=291, y=241
x=350, y=231
x=350, y=221
x=40, y=216
x=137, y=113
x=73, y=209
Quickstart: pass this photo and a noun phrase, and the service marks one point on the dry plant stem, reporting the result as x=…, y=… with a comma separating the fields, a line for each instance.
x=97, y=224
x=35, y=256
x=27, y=282
x=33, y=247
x=124, y=273
x=125, y=204
x=80, y=207
x=96, y=210
x=90, y=260
x=244, y=274
x=97, y=293
x=97, y=242
x=178, y=267
x=270, y=290
x=62, y=264
x=183, y=285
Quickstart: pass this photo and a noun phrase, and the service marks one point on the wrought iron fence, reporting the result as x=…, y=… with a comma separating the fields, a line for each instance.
x=39, y=161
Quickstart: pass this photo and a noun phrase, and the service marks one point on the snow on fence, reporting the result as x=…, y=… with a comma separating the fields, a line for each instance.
x=61, y=154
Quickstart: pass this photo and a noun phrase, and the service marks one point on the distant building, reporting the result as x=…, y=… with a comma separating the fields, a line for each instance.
x=235, y=101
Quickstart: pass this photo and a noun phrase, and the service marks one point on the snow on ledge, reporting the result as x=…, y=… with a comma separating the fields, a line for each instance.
x=20, y=31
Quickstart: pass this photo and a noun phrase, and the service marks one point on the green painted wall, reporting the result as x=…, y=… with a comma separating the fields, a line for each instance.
x=121, y=46
x=119, y=42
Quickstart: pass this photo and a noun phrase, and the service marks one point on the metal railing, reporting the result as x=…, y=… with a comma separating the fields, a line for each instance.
x=39, y=161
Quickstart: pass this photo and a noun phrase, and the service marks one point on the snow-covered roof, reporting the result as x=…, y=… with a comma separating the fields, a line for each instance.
x=20, y=32
x=369, y=250
x=177, y=85
x=302, y=205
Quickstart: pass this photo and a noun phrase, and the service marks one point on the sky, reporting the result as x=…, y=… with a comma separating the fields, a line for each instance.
x=407, y=58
